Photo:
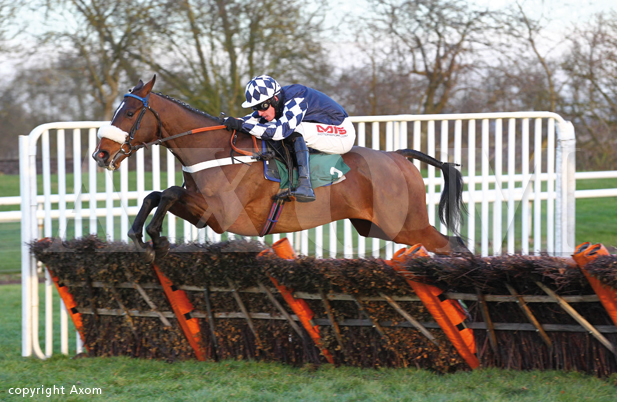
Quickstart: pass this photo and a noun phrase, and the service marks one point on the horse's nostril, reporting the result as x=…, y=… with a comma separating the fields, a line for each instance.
x=101, y=157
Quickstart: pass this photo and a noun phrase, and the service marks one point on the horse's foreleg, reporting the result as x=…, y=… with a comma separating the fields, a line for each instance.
x=168, y=199
x=151, y=201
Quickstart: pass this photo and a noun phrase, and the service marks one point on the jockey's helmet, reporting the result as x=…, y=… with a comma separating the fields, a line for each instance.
x=260, y=89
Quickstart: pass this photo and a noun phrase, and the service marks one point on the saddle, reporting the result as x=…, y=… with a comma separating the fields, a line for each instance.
x=279, y=166
x=278, y=160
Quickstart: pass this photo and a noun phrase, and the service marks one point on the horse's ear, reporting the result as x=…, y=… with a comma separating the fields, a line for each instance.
x=137, y=87
x=150, y=84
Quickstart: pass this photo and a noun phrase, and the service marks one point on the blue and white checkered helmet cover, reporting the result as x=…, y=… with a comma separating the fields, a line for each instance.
x=260, y=89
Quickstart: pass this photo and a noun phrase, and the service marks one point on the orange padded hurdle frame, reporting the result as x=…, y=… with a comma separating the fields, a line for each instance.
x=583, y=255
x=283, y=249
x=70, y=305
x=182, y=308
x=448, y=313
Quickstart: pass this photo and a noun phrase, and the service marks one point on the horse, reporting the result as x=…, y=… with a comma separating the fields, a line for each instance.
x=383, y=195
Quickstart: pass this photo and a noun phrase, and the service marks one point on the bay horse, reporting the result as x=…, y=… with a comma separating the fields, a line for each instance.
x=383, y=195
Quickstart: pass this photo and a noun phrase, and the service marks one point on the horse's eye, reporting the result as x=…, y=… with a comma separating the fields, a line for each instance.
x=130, y=114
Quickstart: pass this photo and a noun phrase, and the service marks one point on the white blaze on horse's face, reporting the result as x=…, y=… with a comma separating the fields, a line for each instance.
x=117, y=111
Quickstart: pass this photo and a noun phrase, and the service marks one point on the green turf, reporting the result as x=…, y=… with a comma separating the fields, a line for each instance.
x=596, y=218
x=124, y=379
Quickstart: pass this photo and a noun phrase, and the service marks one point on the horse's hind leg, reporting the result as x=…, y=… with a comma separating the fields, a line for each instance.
x=433, y=241
x=457, y=245
x=369, y=229
x=429, y=237
x=151, y=201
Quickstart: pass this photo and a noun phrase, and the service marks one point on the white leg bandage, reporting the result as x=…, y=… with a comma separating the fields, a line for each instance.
x=112, y=133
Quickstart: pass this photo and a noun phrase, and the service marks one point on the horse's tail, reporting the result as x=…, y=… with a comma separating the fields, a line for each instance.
x=451, y=207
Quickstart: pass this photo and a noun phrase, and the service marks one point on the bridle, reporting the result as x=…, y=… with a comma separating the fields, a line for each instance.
x=131, y=148
x=159, y=134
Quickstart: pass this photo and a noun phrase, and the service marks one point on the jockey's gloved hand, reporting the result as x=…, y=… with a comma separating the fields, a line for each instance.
x=231, y=123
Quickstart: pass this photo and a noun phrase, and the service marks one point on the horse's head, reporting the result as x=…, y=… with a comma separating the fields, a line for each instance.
x=133, y=124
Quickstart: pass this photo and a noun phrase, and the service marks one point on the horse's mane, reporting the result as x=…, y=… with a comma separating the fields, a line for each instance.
x=186, y=106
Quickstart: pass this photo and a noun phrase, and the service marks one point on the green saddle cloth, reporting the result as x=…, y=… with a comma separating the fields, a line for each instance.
x=325, y=170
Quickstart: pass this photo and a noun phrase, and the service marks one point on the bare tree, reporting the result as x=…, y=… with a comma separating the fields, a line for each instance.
x=506, y=87
x=96, y=35
x=525, y=44
x=376, y=89
x=373, y=85
x=37, y=95
x=8, y=27
x=431, y=40
x=206, y=50
x=591, y=64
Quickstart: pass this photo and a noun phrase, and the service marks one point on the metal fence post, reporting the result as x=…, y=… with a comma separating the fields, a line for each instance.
x=26, y=308
x=565, y=202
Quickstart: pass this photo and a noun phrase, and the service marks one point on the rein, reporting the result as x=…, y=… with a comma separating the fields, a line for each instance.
x=173, y=137
x=160, y=140
x=197, y=131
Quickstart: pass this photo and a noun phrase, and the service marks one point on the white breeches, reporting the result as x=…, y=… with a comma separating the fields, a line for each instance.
x=327, y=138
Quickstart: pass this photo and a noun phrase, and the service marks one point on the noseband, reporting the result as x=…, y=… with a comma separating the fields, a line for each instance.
x=133, y=131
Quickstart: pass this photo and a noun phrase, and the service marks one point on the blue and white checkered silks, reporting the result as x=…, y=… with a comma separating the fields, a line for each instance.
x=293, y=114
x=260, y=89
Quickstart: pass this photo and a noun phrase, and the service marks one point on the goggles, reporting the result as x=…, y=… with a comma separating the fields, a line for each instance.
x=262, y=107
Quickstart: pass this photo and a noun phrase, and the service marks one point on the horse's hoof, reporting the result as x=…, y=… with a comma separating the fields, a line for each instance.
x=161, y=247
x=148, y=255
x=161, y=253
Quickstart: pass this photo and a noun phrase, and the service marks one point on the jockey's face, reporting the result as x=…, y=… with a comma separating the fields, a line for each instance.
x=269, y=113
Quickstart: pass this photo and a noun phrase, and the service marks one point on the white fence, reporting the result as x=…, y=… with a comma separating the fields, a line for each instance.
x=519, y=169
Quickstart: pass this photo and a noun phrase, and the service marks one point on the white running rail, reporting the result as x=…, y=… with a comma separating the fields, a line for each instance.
x=519, y=167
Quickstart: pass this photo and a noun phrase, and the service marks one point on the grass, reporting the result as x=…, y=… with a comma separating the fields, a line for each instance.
x=121, y=379
x=596, y=218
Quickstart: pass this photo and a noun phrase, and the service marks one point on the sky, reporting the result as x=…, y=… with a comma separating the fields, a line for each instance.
x=560, y=16
x=564, y=10
x=561, y=11
x=563, y=14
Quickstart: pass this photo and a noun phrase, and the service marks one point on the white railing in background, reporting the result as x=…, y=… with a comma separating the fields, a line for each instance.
x=500, y=142
x=15, y=201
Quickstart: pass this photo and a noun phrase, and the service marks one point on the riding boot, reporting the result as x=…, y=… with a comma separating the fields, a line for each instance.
x=304, y=191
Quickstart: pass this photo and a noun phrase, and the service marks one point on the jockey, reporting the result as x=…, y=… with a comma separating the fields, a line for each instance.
x=301, y=115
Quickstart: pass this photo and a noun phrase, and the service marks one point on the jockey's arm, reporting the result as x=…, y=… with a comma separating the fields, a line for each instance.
x=278, y=129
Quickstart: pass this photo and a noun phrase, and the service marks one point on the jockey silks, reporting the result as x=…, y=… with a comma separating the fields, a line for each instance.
x=323, y=123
